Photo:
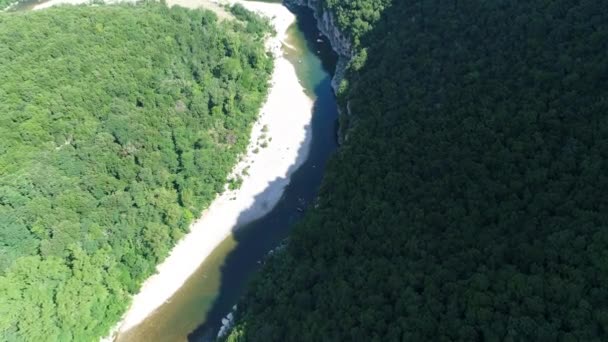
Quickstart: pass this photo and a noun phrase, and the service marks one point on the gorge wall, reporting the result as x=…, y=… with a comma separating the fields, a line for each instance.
x=327, y=24
x=340, y=43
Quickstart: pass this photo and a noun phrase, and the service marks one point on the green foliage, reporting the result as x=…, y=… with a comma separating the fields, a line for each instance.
x=119, y=124
x=469, y=201
x=355, y=17
x=254, y=23
x=235, y=183
x=5, y=3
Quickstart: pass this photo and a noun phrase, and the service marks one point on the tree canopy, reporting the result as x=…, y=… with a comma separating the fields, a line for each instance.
x=469, y=202
x=119, y=124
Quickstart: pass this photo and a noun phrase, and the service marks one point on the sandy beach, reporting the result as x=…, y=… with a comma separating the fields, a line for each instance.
x=286, y=115
x=285, y=118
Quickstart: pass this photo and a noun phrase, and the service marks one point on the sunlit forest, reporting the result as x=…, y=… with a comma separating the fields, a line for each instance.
x=469, y=200
x=119, y=124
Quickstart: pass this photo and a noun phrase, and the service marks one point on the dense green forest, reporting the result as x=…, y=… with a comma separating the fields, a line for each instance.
x=356, y=17
x=119, y=124
x=470, y=200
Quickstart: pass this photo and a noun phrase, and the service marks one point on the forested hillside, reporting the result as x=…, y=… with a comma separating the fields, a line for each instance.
x=470, y=200
x=119, y=124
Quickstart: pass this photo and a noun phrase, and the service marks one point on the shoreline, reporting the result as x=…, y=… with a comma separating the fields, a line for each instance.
x=272, y=166
x=285, y=117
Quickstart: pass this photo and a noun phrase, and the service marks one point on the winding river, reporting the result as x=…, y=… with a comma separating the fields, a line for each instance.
x=196, y=310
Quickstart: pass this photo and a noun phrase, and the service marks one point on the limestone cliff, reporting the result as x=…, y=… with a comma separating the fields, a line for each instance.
x=326, y=23
x=340, y=43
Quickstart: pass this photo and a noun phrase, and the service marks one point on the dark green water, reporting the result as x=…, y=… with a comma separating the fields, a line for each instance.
x=196, y=310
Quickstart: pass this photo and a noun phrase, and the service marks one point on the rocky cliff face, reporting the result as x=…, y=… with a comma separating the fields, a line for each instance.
x=340, y=43
x=327, y=24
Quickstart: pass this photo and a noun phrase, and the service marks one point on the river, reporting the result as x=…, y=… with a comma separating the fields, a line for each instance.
x=196, y=310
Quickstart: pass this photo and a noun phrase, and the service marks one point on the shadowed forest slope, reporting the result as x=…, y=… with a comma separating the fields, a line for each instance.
x=119, y=124
x=469, y=201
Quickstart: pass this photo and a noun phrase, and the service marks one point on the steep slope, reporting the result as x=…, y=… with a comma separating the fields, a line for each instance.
x=119, y=124
x=469, y=201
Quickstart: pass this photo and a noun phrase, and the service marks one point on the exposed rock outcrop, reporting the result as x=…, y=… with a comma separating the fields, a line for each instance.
x=227, y=324
x=340, y=43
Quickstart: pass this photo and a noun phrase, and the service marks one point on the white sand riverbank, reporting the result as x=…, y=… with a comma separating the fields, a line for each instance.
x=286, y=116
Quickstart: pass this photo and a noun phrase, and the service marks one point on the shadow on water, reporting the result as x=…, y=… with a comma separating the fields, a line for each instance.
x=215, y=287
x=256, y=239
